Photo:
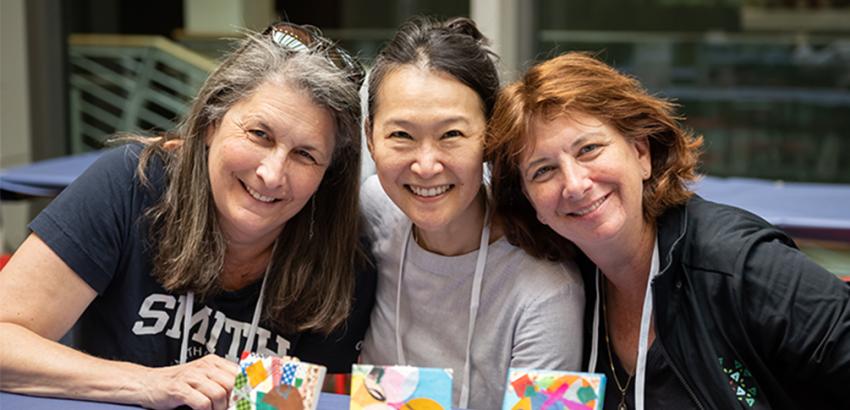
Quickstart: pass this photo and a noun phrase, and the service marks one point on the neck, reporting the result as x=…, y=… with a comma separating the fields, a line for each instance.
x=626, y=265
x=459, y=237
x=244, y=264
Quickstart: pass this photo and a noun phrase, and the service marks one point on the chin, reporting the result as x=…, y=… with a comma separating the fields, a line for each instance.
x=429, y=223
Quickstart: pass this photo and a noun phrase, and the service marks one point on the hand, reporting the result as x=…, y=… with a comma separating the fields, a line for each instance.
x=202, y=384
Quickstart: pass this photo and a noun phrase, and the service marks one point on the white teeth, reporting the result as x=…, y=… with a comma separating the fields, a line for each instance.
x=591, y=208
x=259, y=196
x=429, y=192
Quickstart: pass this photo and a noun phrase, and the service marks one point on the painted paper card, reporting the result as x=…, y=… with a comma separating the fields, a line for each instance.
x=531, y=389
x=400, y=388
x=271, y=382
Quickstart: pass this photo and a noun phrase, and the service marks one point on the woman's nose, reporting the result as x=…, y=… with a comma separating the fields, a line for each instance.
x=576, y=180
x=427, y=162
x=272, y=168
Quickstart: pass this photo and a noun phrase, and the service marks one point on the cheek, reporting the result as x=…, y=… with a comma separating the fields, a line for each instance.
x=470, y=167
x=539, y=196
x=306, y=182
x=233, y=155
x=389, y=163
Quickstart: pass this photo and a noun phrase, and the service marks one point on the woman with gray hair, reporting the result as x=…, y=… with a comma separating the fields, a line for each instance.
x=237, y=233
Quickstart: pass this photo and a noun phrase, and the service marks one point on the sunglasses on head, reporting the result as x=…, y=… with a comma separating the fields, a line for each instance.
x=297, y=37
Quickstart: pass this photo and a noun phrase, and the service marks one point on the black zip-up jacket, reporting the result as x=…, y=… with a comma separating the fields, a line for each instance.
x=744, y=318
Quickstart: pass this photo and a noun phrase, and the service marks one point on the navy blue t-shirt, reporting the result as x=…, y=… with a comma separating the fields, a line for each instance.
x=97, y=227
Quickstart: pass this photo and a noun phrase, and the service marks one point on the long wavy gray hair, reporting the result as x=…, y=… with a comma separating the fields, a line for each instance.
x=311, y=282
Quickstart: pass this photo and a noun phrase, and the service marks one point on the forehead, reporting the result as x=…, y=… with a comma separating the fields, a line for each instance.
x=286, y=108
x=547, y=129
x=415, y=87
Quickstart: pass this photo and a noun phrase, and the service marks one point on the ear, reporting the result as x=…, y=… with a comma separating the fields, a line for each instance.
x=367, y=133
x=210, y=133
x=644, y=156
x=172, y=145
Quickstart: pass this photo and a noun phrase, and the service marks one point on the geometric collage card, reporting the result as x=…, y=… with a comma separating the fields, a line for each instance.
x=532, y=389
x=271, y=382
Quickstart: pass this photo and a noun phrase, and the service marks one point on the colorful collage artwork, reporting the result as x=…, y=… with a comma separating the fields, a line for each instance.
x=400, y=388
x=530, y=389
x=270, y=382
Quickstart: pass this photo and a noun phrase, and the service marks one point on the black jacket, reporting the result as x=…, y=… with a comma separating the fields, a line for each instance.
x=745, y=318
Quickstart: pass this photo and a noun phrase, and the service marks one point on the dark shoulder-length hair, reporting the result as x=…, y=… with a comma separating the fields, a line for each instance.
x=311, y=282
x=579, y=83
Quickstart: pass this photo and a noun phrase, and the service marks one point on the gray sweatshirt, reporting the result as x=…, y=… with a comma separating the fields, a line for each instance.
x=530, y=313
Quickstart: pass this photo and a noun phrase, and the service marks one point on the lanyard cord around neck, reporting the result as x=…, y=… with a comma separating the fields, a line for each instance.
x=475, y=298
x=255, y=320
x=643, y=339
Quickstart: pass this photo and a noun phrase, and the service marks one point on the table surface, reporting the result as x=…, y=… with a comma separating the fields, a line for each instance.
x=44, y=178
x=12, y=401
x=811, y=206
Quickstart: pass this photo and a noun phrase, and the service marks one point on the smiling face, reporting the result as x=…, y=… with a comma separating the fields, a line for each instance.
x=585, y=180
x=427, y=142
x=267, y=157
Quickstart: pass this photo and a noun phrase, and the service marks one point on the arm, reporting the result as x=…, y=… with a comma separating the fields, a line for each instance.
x=800, y=319
x=549, y=332
x=43, y=298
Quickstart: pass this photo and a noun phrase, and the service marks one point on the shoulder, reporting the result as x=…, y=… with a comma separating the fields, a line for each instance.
x=381, y=213
x=120, y=165
x=722, y=238
x=538, y=279
x=116, y=163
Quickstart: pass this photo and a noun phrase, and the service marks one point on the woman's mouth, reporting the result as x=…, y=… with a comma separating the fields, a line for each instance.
x=590, y=208
x=429, y=192
x=258, y=196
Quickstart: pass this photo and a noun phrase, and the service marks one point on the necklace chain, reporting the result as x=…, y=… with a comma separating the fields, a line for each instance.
x=622, y=405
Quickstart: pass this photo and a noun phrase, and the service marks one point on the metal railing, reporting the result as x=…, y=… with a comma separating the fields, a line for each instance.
x=121, y=83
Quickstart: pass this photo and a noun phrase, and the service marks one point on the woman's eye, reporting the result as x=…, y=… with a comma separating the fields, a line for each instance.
x=541, y=172
x=401, y=135
x=259, y=134
x=452, y=134
x=588, y=148
x=306, y=155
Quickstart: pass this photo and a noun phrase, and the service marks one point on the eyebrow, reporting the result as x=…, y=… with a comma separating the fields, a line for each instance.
x=582, y=138
x=446, y=121
x=262, y=124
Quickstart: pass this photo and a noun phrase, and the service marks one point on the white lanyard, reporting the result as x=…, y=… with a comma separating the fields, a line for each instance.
x=643, y=340
x=255, y=321
x=475, y=298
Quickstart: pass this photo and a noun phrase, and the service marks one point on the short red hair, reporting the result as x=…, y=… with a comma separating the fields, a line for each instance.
x=578, y=83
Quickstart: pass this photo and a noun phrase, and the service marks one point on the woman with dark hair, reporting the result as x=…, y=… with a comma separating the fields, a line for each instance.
x=452, y=292
x=693, y=304
x=237, y=233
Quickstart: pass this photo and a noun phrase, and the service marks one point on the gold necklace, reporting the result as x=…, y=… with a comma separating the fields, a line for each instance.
x=622, y=405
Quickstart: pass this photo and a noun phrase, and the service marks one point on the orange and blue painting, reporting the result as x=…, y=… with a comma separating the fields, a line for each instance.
x=400, y=388
x=531, y=389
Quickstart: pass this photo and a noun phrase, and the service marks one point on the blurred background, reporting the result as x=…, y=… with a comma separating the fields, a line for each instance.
x=767, y=82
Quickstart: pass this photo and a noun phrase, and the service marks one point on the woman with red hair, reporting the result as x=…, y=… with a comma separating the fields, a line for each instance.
x=690, y=304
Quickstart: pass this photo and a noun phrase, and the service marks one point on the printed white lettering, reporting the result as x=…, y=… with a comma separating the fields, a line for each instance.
x=235, y=328
x=177, y=327
x=216, y=331
x=160, y=316
x=202, y=316
x=157, y=315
